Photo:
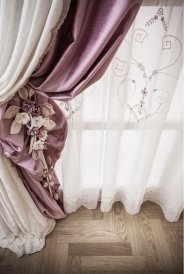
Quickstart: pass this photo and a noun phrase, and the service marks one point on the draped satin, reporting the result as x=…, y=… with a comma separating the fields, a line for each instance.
x=84, y=46
x=82, y=49
x=16, y=148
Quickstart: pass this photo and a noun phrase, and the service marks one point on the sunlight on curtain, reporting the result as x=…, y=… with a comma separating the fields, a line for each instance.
x=125, y=137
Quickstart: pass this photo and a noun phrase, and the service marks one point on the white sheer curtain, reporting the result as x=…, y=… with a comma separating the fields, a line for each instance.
x=25, y=32
x=26, y=28
x=125, y=137
x=22, y=227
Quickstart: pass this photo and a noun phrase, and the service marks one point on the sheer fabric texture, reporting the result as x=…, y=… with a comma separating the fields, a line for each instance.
x=26, y=28
x=25, y=32
x=125, y=136
x=55, y=72
x=22, y=227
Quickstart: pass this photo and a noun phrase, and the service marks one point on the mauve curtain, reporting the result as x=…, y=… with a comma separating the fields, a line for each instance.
x=26, y=28
x=82, y=50
x=84, y=46
x=16, y=148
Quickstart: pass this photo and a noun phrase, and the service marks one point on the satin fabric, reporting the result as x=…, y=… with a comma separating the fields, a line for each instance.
x=16, y=148
x=84, y=46
x=81, y=52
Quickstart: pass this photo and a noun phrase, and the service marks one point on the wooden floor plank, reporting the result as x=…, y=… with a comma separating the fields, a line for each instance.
x=113, y=263
x=91, y=242
x=100, y=249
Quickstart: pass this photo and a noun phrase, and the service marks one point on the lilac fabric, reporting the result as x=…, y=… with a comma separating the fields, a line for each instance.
x=84, y=46
x=16, y=148
x=81, y=52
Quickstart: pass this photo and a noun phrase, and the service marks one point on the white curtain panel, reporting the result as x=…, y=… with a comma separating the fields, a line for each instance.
x=26, y=28
x=22, y=227
x=125, y=136
x=25, y=32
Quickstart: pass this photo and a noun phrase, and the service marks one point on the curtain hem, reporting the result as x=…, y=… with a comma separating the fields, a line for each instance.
x=89, y=198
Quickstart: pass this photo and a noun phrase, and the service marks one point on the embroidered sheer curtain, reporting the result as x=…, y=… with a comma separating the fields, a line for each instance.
x=125, y=136
x=28, y=42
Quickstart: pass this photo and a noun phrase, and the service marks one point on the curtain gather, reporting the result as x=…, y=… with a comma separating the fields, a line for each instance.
x=26, y=29
x=90, y=35
x=99, y=35
x=22, y=227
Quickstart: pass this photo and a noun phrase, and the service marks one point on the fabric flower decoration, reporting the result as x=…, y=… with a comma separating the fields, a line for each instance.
x=25, y=93
x=38, y=145
x=36, y=118
x=33, y=131
x=42, y=135
x=38, y=121
x=11, y=112
x=22, y=118
x=47, y=110
x=48, y=124
x=32, y=108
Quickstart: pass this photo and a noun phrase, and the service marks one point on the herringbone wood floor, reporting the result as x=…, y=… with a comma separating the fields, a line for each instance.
x=92, y=242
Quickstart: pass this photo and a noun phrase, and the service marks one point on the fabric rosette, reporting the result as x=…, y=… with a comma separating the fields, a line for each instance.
x=33, y=131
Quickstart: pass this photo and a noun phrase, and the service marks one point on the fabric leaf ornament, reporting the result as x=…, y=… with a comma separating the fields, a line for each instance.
x=47, y=110
x=15, y=127
x=11, y=112
x=38, y=121
x=49, y=124
x=23, y=93
x=31, y=93
x=22, y=118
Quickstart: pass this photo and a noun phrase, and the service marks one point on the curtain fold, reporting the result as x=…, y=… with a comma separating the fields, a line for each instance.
x=96, y=28
x=16, y=147
x=91, y=34
x=22, y=227
x=125, y=132
x=26, y=28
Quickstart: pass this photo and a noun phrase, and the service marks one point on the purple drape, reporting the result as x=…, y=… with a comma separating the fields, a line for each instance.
x=81, y=52
x=84, y=46
x=16, y=148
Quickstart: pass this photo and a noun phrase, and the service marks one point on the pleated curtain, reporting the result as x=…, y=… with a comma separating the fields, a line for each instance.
x=26, y=29
x=102, y=33
x=125, y=131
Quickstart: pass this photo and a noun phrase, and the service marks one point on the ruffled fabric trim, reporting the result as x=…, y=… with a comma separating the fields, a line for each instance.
x=89, y=198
